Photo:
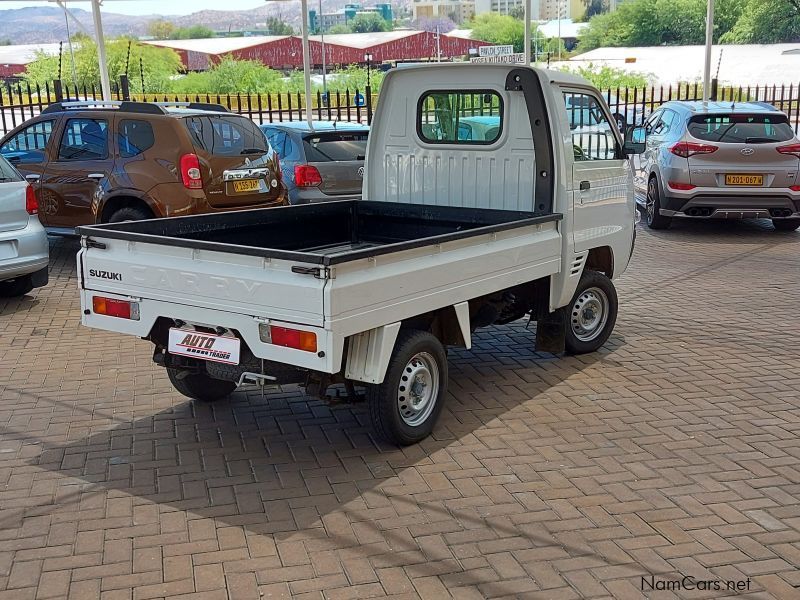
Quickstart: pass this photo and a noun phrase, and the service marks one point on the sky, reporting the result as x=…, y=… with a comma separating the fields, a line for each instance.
x=149, y=7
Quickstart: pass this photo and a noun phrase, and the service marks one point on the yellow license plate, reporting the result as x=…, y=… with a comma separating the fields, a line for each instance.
x=744, y=180
x=246, y=185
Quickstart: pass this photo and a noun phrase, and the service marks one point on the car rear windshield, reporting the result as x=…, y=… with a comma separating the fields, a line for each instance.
x=226, y=135
x=335, y=146
x=741, y=129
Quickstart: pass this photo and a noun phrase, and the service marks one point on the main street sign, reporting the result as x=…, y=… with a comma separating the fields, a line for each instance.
x=495, y=50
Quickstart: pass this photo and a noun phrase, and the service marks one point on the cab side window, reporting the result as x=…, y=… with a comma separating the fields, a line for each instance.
x=28, y=145
x=593, y=135
x=84, y=139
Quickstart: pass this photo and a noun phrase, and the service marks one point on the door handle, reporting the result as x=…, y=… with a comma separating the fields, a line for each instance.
x=33, y=177
x=585, y=186
x=97, y=176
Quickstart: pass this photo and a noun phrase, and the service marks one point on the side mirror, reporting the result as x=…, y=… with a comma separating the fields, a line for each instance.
x=635, y=138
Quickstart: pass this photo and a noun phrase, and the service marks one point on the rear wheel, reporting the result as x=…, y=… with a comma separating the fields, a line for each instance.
x=405, y=407
x=653, y=216
x=785, y=224
x=199, y=385
x=129, y=213
x=592, y=313
x=16, y=287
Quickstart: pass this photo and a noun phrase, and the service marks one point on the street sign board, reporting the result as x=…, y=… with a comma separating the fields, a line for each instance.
x=495, y=50
x=503, y=58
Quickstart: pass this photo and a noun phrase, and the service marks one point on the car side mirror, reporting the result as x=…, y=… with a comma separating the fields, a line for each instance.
x=635, y=139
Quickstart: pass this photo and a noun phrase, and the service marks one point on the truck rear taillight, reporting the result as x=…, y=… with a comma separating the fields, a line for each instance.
x=306, y=176
x=289, y=338
x=111, y=307
x=687, y=149
x=31, y=203
x=793, y=149
x=190, y=172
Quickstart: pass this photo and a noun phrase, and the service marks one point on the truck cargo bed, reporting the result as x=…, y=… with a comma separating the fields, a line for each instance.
x=328, y=233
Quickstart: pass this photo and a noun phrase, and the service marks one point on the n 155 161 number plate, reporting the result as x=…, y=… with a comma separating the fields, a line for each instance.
x=205, y=346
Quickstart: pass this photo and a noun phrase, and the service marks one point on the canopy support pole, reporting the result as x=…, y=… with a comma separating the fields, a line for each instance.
x=105, y=83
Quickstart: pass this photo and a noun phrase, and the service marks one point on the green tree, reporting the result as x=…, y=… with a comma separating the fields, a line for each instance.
x=367, y=23
x=195, y=32
x=277, y=27
x=231, y=76
x=766, y=22
x=501, y=30
x=161, y=65
x=161, y=29
x=595, y=7
x=607, y=78
x=339, y=28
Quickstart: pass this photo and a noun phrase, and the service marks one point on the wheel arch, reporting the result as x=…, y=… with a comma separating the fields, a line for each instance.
x=601, y=259
x=124, y=199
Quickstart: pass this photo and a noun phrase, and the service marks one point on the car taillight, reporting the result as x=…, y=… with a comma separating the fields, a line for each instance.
x=795, y=188
x=112, y=307
x=306, y=176
x=676, y=185
x=290, y=338
x=31, y=203
x=687, y=149
x=793, y=149
x=190, y=172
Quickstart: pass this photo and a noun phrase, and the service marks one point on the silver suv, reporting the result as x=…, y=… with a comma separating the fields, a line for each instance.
x=719, y=160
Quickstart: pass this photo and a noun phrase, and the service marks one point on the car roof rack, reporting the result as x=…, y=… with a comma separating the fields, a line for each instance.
x=150, y=108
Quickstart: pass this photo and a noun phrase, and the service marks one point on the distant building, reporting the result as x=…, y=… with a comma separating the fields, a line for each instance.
x=459, y=11
x=541, y=10
x=322, y=22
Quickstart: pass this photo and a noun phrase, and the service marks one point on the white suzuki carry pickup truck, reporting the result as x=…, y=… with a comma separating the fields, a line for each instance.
x=488, y=197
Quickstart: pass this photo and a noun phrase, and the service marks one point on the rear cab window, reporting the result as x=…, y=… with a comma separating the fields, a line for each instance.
x=336, y=146
x=226, y=135
x=462, y=117
x=741, y=128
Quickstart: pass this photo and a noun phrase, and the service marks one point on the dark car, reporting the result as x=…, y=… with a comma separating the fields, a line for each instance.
x=98, y=162
x=322, y=163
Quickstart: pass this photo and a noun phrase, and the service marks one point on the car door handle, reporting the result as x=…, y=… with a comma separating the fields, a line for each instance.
x=585, y=186
x=33, y=177
x=97, y=176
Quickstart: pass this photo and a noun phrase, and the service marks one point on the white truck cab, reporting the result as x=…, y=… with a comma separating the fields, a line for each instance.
x=491, y=193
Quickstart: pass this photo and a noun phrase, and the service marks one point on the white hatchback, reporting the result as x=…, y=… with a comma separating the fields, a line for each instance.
x=24, y=252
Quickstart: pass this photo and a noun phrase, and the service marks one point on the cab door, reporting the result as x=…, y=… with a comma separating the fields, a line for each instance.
x=79, y=167
x=601, y=175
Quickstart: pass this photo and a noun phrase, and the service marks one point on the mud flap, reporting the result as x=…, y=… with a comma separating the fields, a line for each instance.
x=551, y=332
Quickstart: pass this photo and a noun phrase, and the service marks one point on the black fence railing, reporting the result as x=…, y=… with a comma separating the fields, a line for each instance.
x=20, y=101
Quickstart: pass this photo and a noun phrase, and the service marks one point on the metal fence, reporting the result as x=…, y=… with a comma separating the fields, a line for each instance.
x=21, y=101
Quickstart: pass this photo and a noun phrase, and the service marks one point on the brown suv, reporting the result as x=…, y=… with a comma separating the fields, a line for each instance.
x=99, y=162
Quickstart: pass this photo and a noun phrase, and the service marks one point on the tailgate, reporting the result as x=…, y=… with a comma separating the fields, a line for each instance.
x=236, y=283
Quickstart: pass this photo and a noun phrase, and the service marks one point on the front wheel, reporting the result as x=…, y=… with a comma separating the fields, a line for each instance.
x=199, y=385
x=785, y=224
x=405, y=407
x=592, y=313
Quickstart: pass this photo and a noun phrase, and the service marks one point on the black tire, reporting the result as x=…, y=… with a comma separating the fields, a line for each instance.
x=129, y=213
x=652, y=216
x=785, y=224
x=16, y=287
x=200, y=386
x=386, y=399
x=595, y=292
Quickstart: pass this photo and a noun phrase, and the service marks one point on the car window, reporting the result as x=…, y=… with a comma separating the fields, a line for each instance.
x=226, y=135
x=28, y=145
x=7, y=172
x=592, y=133
x=277, y=139
x=134, y=137
x=84, y=139
x=741, y=128
x=462, y=117
x=323, y=147
x=652, y=121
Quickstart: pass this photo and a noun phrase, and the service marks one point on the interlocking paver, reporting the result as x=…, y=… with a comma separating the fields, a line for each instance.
x=672, y=451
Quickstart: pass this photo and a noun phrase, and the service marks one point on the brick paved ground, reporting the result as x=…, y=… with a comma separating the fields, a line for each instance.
x=674, y=451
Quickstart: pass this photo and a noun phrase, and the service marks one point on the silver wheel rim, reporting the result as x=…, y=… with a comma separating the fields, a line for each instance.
x=589, y=314
x=651, y=202
x=418, y=389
